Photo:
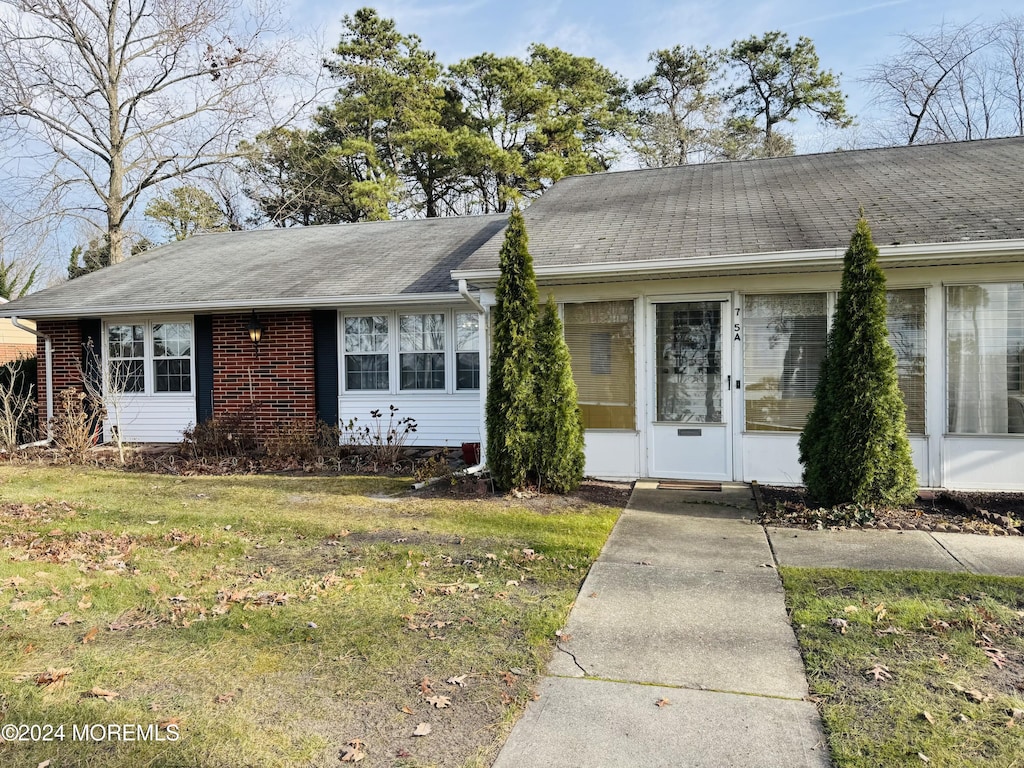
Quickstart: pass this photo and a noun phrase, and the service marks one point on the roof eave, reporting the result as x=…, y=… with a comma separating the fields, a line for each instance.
x=246, y=305
x=804, y=260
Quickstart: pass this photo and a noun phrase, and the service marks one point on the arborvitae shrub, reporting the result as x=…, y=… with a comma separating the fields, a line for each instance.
x=510, y=389
x=854, y=447
x=557, y=424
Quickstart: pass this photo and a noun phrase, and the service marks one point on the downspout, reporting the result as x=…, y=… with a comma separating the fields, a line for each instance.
x=48, y=345
x=472, y=301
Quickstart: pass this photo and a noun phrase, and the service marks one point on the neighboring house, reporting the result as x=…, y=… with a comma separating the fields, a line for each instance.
x=15, y=342
x=696, y=302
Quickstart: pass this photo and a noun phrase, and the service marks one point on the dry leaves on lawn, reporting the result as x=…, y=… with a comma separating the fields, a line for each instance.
x=880, y=673
x=53, y=678
x=423, y=729
x=460, y=681
x=353, y=751
x=100, y=693
x=439, y=702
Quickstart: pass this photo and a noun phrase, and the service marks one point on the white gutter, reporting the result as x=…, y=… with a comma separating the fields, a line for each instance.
x=464, y=292
x=48, y=344
x=284, y=304
x=821, y=257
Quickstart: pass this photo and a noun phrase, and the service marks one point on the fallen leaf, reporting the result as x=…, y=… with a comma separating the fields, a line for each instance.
x=459, y=681
x=928, y=716
x=101, y=693
x=152, y=522
x=880, y=673
x=85, y=603
x=163, y=725
x=53, y=678
x=422, y=729
x=407, y=711
x=508, y=679
x=64, y=620
x=879, y=611
x=839, y=625
x=663, y=702
x=1017, y=714
x=439, y=702
x=353, y=752
x=924, y=757
x=851, y=609
x=593, y=594
x=30, y=648
x=224, y=698
x=425, y=686
x=44, y=764
x=90, y=635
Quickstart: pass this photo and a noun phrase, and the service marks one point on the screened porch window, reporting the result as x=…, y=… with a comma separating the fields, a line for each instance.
x=905, y=321
x=600, y=339
x=783, y=345
x=984, y=359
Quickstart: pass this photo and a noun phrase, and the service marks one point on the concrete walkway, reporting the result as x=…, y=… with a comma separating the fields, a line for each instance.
x=682, y=606
x=899, y=550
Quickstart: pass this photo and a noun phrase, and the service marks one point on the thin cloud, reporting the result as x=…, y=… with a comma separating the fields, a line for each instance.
x=853, y=11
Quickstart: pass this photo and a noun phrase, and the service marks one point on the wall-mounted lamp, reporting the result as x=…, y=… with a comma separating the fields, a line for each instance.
x=255, y=331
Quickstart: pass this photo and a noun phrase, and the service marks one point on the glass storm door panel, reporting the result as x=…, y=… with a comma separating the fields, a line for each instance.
x=689, y=434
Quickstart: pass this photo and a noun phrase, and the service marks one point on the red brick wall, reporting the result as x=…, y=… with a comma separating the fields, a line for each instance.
x=278, y=380
x=67, y=358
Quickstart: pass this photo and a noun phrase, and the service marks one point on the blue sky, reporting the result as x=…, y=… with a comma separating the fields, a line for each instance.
x=849, y=36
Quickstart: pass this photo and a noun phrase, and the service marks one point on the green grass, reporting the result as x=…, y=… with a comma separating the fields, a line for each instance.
x=930, y=632
x=275, y=618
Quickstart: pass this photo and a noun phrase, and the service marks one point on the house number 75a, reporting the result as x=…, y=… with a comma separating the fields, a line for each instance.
x=736, y=327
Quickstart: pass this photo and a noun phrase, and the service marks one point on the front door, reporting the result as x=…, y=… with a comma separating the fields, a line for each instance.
x=689, y=435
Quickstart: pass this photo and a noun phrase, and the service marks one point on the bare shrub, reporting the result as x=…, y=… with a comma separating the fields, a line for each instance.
x=17, y=403
x=222, y=437
x=75, y=426
x=383, y=443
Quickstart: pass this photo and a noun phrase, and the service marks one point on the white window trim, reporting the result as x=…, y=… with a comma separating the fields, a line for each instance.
x=394, y=352
x=148, y=359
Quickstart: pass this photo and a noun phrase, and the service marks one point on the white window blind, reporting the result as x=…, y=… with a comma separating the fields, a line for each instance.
x=783, y=345
x=600, y=339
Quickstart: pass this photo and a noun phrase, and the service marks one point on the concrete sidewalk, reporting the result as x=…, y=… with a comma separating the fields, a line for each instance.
x=682, y=605
x=899, y=550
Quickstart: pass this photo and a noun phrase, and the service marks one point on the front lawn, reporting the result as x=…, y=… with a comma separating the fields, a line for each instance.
x=913, y=668
x=273, y=621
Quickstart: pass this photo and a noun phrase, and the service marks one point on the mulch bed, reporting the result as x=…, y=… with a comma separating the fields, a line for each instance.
x=993, y=514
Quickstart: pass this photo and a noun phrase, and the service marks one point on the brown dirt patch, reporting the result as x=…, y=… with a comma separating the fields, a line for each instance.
x=590, y=493
x=993, y=514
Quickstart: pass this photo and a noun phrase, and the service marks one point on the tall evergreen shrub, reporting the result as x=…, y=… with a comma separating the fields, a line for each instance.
x=557, y=424
x=510, y=389
x=854, y=447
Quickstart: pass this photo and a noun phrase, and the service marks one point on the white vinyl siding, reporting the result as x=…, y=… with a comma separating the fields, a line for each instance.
x=442, y=419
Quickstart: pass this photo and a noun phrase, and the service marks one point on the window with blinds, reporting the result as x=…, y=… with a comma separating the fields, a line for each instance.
x=905, y=321
x=600, y=339
x=984, y=359
x=783, y=345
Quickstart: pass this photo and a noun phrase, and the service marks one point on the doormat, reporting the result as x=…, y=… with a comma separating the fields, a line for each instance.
x=688, y=485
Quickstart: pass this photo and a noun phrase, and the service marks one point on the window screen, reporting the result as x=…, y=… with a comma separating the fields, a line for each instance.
x=600, y=340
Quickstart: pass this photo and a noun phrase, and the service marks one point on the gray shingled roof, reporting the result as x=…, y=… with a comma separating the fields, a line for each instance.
x=937, y=193
x=299, y=266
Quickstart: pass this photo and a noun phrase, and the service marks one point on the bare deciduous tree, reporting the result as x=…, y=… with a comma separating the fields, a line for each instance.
x=953, y=84
x=127, y=94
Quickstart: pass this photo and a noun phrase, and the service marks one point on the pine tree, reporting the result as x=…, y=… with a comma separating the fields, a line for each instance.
x=510, y=389
x=854, y=447
x=557, y=423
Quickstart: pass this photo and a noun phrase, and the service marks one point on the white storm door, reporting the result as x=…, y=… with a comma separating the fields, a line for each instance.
x=689, y=436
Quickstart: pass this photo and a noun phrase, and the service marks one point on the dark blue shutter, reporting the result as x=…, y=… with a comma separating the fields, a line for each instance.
x=325, y=364
x=204, y=367
x=91, y=330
